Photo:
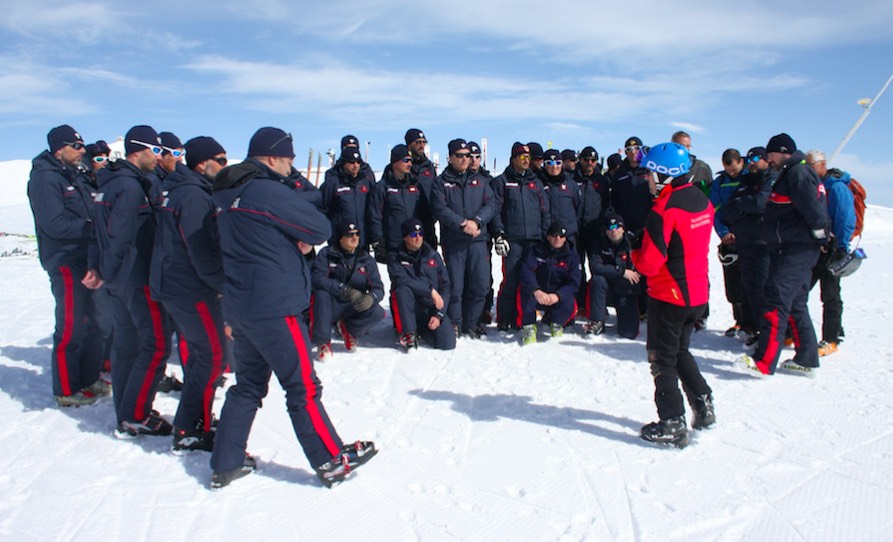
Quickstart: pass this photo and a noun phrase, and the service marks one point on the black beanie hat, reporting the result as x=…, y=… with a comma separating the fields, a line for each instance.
x=781, y=143
x=61, y=136
x=349, y=141
x=413, y=134
x=589, y=152
x=411, y=225
x=757, y=151
x=614, y=160
x=346, y=226
x=568, y=154
x=457, y=145
x=519, y=148
x=474, y=148
x=200, y=149
x=536, y=150
x=557, y=229
x=143, y=134
x=169, y=140
x=552, y=154
x=399, y=152
x=269, y=141
x=350, y=154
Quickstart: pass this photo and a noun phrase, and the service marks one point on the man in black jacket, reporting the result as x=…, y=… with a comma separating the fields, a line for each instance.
x=63, y=220
x=615, y=281
x=346, y=289
x=795, y=227
x=187, y=277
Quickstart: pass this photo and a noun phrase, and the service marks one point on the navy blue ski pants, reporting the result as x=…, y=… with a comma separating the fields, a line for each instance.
x=263, y=347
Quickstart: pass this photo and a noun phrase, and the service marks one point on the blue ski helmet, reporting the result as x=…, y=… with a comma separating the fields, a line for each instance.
x=668, y=159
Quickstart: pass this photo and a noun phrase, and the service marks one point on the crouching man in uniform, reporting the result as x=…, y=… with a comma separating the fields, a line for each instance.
x=420, y=291
x=346, y=290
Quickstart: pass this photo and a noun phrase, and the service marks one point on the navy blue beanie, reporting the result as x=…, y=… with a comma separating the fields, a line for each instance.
x=61, y=136
x=270, y=141
x=200, y=149
x=399, y=152
x=143, y=134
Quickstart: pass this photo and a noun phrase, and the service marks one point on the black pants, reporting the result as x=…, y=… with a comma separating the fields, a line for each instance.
x=77, y=353
x=832, y=304
x=753, y=263
x=669, y=332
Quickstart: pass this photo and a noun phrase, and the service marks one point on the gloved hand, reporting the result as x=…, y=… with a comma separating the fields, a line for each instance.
x=350, y=295
x=363, y=303
x=501, y=245
x=379, y=251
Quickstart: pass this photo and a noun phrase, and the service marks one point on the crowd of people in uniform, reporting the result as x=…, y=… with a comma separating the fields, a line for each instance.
x=172, y=237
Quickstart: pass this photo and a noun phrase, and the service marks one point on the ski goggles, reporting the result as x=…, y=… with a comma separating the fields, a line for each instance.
x=156, y=150
x=100, y=159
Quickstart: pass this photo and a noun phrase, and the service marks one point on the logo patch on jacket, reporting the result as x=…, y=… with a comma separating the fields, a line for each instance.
x=343, y=189
x=531, y=185
x=362, y=270
x=474, y=182
x=364, y=189
x=413, y=189
x=432, y=263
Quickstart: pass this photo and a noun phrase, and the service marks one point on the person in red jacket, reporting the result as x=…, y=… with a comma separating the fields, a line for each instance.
x=673, y=256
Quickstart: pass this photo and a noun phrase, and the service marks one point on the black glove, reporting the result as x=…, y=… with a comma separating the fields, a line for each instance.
x=363, y=303
x=350, y=295
x=381, y=254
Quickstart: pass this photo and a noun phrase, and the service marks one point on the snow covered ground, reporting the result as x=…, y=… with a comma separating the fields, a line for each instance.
x=491, y=441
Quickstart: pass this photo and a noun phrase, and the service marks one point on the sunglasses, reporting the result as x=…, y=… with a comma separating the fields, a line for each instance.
x=156, y=150
x=552, y=162
x=524, y=156
x=176, y=153
x=461, y=155
x=420, y=141
x=632, y=148
x=77, y=145
x=754, y=159
x=475, y=156
x=416, y=234
x=351, y=234
x=614, y=226
x=590, y=160
x=222, y=160
x=406, y=160
x=559, y=235
x=100, y=159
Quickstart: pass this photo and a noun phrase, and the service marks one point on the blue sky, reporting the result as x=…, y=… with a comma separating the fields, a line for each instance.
x=571, y=72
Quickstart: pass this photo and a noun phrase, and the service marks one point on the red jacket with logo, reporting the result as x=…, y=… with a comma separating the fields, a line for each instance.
x=676, y=245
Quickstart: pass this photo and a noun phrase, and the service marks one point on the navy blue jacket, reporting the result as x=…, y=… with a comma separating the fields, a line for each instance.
x=611, y=261
x=552, y=271
x=346, y=198
x=334, y=269
x=596, y=198
x=125, y=225
x=63, y=213
x=565, y=200
x=186, y=262
x=392, y=203
x=797, y=211
x=425, y=173
x=459, y=197
x=422, y=271
x=631, y=198
x=304, y=187
x=745, y=207
x=261, y=219
x=522, y=211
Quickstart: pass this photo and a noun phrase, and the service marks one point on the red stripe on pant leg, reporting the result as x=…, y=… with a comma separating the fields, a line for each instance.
x=306, y=368
x=395, y=314
x=67, y=331
x=795, y=333
x=182, y=349
x=772, y=346
x=216, y=361
x=158, y=331
x=519, y=318
x=573, y=314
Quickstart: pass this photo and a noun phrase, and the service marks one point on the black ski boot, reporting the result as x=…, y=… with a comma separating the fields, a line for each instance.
x=671, y=431
x=224, y=478
x=337, y=469
x=703, y=410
